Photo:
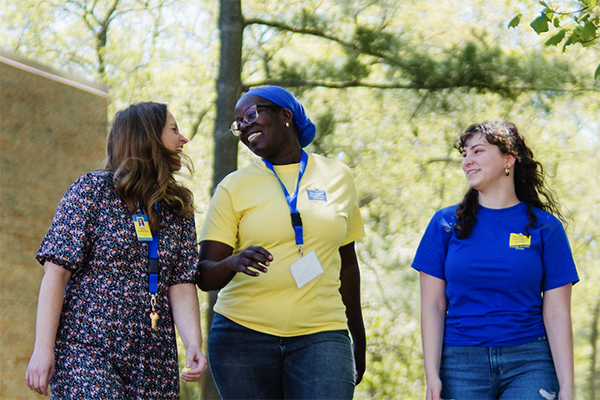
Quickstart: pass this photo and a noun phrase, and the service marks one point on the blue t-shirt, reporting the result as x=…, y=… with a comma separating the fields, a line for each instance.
x=496, y=276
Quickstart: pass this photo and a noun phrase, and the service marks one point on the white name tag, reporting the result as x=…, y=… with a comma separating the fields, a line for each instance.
x=316, y=195
x=306, y=269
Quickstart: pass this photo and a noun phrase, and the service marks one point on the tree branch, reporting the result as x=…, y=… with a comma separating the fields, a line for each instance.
x=319, y=33
x=374, y=85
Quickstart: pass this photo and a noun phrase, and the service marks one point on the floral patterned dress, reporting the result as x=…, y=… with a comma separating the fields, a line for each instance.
x=105, y=345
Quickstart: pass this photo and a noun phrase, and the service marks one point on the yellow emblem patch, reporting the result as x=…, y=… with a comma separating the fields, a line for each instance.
x=519, y=241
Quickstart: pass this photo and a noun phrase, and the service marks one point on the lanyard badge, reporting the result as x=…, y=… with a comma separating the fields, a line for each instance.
x=144, y=234
x=292, y=200
x=307, y=268
x=142, y=227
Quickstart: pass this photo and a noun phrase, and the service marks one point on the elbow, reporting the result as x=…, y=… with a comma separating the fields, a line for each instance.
x=203, y=287
x=204, y=283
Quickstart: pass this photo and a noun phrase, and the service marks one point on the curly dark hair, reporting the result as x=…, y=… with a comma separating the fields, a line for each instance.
x=142, y=164
x=529, y=178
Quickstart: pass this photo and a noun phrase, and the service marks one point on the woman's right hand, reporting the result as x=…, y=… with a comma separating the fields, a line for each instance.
x=255, y=257
x=434, y=389
x=50, y=302
x=217, y=266
x=40, y=370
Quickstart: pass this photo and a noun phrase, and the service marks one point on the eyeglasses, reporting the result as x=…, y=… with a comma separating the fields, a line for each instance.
x=250, y=115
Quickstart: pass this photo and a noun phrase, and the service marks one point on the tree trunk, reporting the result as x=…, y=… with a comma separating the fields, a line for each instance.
x=229, y=87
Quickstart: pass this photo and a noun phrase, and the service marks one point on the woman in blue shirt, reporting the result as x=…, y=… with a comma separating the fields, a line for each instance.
x=496, y=273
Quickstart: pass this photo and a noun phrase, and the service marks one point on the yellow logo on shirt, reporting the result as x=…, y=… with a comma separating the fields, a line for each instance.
x=519, y=241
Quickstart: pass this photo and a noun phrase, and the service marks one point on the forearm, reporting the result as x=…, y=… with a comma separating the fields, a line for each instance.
x=186, y=313
x=350, y=291
x=432, y=334
x=557, y=321
x=214, y=275
x=50, y=302
x=433, y=317
x=560, y=338
x=218, y=265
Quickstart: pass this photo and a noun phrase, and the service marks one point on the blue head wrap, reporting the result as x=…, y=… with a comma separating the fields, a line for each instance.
x=285, y=99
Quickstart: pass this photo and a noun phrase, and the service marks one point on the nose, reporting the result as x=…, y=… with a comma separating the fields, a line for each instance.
x=244, y=124
x=466, y=161
x=183, y=139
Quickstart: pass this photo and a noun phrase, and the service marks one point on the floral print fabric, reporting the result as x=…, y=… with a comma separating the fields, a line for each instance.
x=105, y=346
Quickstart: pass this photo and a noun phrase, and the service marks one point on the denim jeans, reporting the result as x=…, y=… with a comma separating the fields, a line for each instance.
x=524, y=372
x=247, y=364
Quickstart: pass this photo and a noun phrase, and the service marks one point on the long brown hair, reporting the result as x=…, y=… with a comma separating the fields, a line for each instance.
x=529, y=177
x=142, y=164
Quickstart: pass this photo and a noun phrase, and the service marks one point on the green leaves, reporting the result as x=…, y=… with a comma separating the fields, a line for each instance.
x=540, y=24
x=556, y=38
x=578, y=26
x=515, y=21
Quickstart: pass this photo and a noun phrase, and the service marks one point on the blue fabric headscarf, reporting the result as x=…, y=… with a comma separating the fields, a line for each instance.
x=285, y=99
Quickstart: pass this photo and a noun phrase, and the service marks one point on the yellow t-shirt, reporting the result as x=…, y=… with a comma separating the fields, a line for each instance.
x=249, y=209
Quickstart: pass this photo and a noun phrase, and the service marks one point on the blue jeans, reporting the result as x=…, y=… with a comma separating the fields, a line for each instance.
x=247, y=364
x=524, y=372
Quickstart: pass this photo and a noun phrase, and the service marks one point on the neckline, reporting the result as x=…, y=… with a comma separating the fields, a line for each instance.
x=517, y=208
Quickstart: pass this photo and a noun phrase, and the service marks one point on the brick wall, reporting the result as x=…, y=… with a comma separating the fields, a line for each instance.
x=53, y=128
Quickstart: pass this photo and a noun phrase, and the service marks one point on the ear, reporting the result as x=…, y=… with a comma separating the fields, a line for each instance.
x=510, y=160
x=287, y=116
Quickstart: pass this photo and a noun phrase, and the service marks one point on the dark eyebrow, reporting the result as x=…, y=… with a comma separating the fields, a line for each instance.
x=475, y=145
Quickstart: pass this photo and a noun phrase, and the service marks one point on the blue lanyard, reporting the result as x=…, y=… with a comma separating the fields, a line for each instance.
x=153, y=264
x=292, y=199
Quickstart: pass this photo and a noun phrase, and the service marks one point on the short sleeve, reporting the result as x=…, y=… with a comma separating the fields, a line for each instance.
x=186, y=267
x=222, y=222
x=431, y=253
x=355, y=228
x=71, y=234
x=559, y=266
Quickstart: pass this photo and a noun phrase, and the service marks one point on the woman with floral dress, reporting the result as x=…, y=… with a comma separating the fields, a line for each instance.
x=120, y=262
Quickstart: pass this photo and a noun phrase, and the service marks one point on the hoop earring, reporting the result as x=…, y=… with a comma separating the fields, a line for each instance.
x=507, y=171
x=287, y=124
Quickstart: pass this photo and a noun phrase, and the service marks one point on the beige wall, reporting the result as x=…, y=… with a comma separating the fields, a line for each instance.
x=53, y=128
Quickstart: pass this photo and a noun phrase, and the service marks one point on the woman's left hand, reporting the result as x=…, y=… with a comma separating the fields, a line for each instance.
x=196, y=362
x=360, y=362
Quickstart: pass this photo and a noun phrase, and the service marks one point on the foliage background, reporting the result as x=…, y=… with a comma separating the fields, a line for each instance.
x=394, y=124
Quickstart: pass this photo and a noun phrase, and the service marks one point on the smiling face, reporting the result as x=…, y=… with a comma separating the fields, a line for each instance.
x=268, y=136
x=484, y=163
x=172, y=139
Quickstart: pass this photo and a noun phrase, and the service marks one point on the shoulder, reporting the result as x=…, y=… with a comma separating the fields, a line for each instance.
x=331, y=170
x=320, y=161
x=446, y=216
x=442, y=222
x=546, y=218
x=99, y=177
x=239, y=176
x=94, y=181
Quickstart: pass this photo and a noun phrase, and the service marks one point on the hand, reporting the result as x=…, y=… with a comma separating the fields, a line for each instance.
x=359, y=361
x=434, y=389
x=196, y=362
x=565, y=394
x=40, y=370
x=254, y=257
